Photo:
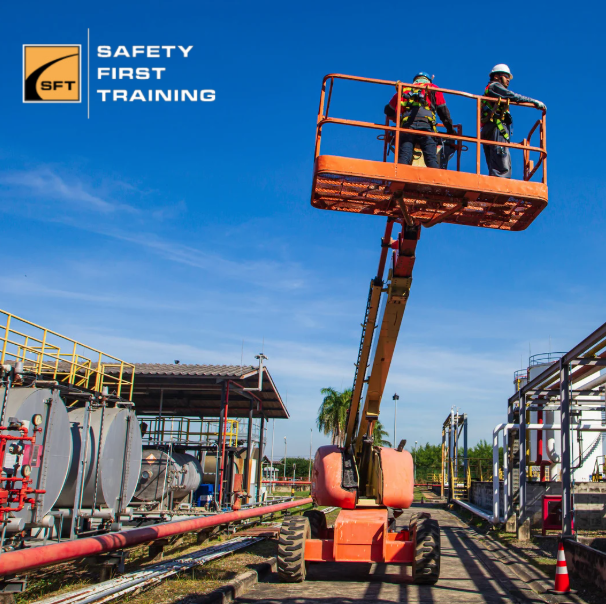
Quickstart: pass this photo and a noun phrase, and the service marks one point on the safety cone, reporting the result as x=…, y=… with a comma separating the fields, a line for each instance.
x=562, y=582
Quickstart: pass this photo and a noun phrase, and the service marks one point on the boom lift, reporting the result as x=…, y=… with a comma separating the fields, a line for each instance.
x=373, y=484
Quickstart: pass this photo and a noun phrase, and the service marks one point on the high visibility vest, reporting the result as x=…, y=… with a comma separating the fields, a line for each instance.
x=417, y=102
x=496, y=113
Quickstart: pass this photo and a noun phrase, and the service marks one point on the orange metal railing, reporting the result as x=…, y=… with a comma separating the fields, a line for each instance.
x=530, y=168
x=50, y=355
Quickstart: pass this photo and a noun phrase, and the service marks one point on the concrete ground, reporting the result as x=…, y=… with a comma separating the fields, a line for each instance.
x=471, y=573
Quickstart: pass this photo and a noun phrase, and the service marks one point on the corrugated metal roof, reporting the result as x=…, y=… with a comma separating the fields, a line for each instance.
x=236, y=371
x=196, y=390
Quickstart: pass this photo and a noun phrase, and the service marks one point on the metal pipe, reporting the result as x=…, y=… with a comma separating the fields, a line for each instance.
x=81, y=469
x=474, y=510
x=495, y=471
x=586, y=427
x=26, y=559
x=566, y=449
x=259, y=387
x=225, y=410
x=260, y=458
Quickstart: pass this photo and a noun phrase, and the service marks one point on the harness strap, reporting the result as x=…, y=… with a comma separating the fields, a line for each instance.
x=495, y=113
x=410, y=102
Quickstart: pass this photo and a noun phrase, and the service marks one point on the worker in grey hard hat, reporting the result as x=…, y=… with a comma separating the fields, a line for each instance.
x=496, y=120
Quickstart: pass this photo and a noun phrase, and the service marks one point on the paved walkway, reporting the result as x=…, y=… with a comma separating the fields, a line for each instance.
x=470, y=574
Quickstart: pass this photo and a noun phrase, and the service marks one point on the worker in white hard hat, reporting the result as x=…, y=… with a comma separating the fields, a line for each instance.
x=496, y=120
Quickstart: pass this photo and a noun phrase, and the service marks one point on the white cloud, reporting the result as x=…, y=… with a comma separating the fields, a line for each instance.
x=46, y=185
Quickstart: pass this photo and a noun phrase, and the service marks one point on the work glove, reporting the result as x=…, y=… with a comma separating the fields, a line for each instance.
x=540, y=105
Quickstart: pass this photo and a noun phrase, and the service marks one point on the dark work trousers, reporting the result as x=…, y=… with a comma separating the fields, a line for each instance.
x=428, y=145
x=498, y=158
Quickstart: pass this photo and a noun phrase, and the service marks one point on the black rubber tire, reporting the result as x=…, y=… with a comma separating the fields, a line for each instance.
x=317, y=523
x=426, y=567
x=291, y=549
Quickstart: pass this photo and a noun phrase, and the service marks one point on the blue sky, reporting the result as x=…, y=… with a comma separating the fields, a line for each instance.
x=178, y=231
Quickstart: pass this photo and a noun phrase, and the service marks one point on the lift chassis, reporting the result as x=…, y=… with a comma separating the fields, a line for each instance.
x=371, y=484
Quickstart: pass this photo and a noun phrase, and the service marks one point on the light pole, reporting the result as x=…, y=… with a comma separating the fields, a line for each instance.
x=311, y=433
x=285, y=459
x=396, y=398
x=415, y=459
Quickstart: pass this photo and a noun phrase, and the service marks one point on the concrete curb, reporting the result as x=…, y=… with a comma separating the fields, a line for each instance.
x=239, y=585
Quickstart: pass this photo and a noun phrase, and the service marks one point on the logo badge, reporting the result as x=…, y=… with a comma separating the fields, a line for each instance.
x=51, y=73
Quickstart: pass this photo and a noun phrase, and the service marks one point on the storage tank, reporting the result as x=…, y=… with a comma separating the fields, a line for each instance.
x=191, y=474
x=113, y=468
x=162, y=474
x=50, y=457
x=551, y=439
x=210, y=467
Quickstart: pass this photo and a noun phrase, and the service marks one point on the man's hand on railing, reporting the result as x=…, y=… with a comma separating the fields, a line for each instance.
x=540, y=105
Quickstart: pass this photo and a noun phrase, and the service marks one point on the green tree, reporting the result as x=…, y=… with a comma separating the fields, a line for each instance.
x=428, y=459
x=332, y=414
x=300, y=465
x=480, y=459
x=379, y=435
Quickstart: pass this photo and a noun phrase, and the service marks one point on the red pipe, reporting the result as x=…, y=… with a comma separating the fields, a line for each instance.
x=25, y=559
x=295, y=482
x=223, y=437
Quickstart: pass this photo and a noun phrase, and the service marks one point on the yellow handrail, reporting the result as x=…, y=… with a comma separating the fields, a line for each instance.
x=51, y=355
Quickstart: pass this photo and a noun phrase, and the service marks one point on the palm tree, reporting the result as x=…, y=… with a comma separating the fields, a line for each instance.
x=332, y=414
x=378, y=435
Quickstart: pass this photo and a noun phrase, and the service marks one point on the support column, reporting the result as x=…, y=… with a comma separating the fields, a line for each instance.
x=567, y=512
x=523, y=529
x=451, y=447
x=506, y=480
x=221, y=445
x=442, y=472
x=248, y=465
x=465, y=459
x=495, y=475
x=260, y=460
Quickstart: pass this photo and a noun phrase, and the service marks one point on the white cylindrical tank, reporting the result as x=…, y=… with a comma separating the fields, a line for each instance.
x=162, y=474
x=191, y=474
x=50, y=457
x=112, y=470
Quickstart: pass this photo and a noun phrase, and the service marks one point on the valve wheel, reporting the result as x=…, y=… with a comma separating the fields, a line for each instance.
x=317, y=523
x=291, y=549
x=426, y=566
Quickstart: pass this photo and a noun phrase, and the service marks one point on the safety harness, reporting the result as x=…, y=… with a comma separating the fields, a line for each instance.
x=415, y=100
x=496, y=113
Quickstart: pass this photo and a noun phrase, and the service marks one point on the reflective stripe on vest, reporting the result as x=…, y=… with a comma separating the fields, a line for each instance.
x=495, y=113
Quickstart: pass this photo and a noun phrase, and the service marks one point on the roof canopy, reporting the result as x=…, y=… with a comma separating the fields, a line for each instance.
x=195, y=390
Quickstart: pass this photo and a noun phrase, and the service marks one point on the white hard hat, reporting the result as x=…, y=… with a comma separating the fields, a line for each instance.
x=501, y=68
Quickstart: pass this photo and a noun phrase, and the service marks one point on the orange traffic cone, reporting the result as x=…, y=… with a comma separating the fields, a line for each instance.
x=562, y=582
